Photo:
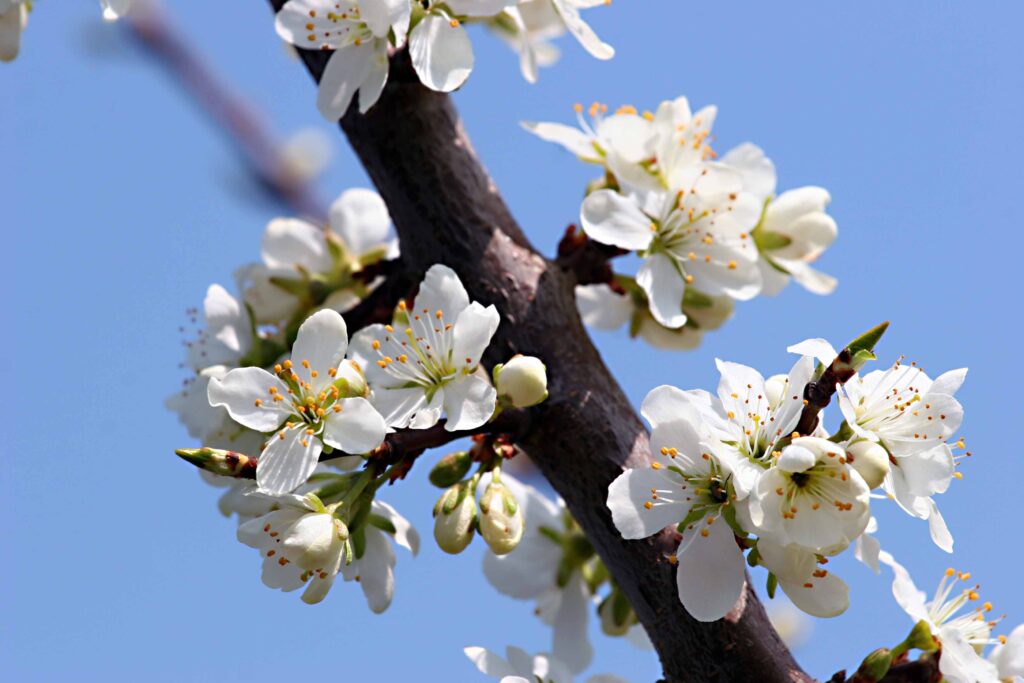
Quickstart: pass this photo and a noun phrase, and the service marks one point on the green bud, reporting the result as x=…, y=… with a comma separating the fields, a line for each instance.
x=522, y=382
x=450, y=469
x=875, y=666
x=921, y=637
x=616, y=614
x=218, y=461
x=454, y=516
x=870, y=460
x=501, y=519
x=862, y=348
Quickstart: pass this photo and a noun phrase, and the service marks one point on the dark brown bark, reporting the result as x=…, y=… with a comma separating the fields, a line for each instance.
x=447, y=210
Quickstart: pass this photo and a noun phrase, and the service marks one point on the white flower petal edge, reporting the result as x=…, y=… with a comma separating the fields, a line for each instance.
x=441, y=52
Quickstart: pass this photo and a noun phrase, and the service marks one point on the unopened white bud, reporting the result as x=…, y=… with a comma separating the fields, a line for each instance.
x=775, y=387
x=501, y=519
x=522, y=382
x=454, y=515
x=870, y=460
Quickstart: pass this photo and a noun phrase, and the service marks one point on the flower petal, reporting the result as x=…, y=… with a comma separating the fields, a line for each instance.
x=357, y=429
x=610, y=218
x=757, y=170
x=661, y=280
x=397, y=406
x=245, y=392
x=286, y=463
x=344, y=74
x=571, y=645
x=361, y=219
x=442, y=53
x=468, y=402
x=442, y=290
x=405, y=533
x=290, y=242
x=572, y=139
x=602, y=308
x=629, y=494
x=711, y=572
x=472, y=333
x=322, y=341
x=488, y=662
x=582, y=31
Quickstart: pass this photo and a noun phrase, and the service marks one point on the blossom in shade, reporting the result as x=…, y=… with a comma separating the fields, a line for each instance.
x=13, y=20
x=688, y=486
x=519, y=667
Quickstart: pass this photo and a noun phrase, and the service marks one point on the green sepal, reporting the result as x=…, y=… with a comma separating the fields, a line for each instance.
x=772, y=584
x=382, y=523
x=358, y=539
x=767, y=240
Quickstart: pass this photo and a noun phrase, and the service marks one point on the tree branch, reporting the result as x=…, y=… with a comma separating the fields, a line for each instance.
x=447, y=210
x=148, y=25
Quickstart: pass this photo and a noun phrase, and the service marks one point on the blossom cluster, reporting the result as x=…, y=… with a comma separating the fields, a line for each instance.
x=280, y=392
x=710, y=230
x=360, y=33
x=731, y=473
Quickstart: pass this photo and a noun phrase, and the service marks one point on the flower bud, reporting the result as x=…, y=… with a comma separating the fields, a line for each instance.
x=522, y=382
x=450, y=469
x=875, y=666
x=501, y=519
x=454, y=515
x=870, y=460
x=774, y=387
x=616, y=614
x=219, y=461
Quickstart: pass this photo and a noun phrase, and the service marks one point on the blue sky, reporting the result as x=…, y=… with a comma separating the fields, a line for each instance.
x=121, y=204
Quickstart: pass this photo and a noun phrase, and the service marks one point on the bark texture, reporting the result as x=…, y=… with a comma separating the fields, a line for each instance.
x=447, y=210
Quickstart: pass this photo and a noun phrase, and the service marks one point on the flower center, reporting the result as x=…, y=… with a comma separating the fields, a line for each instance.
x=421, y=353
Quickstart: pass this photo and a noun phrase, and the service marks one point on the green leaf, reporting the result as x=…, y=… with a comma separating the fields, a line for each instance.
x=868, y=340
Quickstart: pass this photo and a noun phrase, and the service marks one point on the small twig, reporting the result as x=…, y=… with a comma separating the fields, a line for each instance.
x=402, y=445
x=818, y=393
x=151, y=29
x=587, y=260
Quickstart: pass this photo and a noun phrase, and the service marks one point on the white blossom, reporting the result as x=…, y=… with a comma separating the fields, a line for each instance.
x=374, y=568
x=531, y=572
x=428, y=363
x=811, y=587
x=811, y=497
x=303, y=543
x=1008, y=656
x=294, y=250
x=519, y=667
x=312, y=401
x=962, y=635
x=603, y=308
x=228, y=335
x=357, y=32
x=794, y=229
x=685, y=483
x=902, y=408
x=621, y=142
x=527, y=28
